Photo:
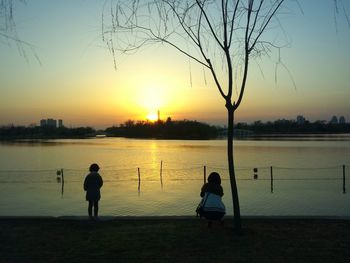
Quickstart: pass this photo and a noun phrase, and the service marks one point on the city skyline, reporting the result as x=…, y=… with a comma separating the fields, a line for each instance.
x=301, y=119
x=77, y=82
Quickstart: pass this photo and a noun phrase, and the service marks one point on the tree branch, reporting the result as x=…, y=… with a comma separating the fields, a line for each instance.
x=279, y=3
x=233, y=22
x=209, y=24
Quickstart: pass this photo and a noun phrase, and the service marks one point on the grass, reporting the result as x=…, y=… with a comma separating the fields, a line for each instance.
x=171, y=240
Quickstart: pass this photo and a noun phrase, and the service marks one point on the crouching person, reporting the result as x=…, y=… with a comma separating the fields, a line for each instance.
x=212, y=207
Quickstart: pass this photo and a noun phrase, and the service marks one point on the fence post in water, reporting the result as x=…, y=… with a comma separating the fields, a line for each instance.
x=161, y=173
x=255, y=176
x=138, y=172
x=62, y=175
x=344, y=189
x=205, y=174
x=271, y=176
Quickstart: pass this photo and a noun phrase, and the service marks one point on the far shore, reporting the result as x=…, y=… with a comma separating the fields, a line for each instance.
x=265, y=136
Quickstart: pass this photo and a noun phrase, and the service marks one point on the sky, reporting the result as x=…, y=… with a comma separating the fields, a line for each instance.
x=76, y=81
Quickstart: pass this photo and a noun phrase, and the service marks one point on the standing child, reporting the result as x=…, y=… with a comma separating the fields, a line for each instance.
x=92, y=184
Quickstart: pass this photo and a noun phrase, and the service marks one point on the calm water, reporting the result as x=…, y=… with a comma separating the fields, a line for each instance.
x=308, y=176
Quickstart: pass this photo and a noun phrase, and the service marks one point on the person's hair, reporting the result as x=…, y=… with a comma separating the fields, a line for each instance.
x=94, y=167
x=214, y=178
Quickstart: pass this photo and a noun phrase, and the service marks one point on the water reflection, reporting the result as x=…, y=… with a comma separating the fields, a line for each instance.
x=307, y=176
x=48, y=142
x=299, y=137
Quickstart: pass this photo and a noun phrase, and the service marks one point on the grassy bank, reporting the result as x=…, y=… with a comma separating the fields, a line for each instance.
x=169, y=240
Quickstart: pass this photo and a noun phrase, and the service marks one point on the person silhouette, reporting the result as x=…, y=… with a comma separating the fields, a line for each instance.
x=92, y=185
x=212, y=206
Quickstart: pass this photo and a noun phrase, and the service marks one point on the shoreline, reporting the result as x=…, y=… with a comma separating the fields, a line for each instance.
x=180, y=217
x=339, y=136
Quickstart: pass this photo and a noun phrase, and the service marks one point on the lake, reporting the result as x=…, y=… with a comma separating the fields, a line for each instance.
x=307, y=176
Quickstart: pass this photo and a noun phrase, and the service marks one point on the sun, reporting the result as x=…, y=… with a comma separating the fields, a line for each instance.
x=152, y=117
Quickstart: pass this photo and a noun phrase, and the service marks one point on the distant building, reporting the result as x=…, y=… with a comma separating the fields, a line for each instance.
x=342, y=120
x=43, y=123
x=51, y=123
x=334, y=120
x=300, y=119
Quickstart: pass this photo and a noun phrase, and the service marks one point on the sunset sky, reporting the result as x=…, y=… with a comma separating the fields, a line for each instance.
x=76, y=80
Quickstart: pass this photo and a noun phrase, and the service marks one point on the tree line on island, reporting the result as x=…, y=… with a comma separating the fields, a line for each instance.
x=169, y=129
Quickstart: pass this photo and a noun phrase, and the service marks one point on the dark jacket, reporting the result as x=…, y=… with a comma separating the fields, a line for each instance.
x=92, y=184
x=212, y=188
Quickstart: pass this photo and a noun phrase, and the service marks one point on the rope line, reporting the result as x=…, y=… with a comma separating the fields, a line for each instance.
x=176, y=169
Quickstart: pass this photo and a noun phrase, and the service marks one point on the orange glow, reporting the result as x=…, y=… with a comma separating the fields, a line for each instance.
x=152, y=117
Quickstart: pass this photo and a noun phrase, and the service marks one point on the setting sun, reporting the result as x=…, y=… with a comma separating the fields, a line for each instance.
x=152, y=117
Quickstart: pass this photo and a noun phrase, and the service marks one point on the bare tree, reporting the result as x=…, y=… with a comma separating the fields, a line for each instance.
x=7, y=23
x=8, y=31
x=6, y=17
x=221, y=36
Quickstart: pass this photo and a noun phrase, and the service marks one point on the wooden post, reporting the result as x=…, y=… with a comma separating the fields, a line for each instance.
x=205, y=174
x=138, y=172
x=161, y=173
x=58, y=176
x=271, y=177
x=255, y=176
x=344, y=189
x=62, y=175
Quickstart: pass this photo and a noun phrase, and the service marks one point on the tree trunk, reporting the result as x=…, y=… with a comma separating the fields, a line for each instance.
x=231, y=167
